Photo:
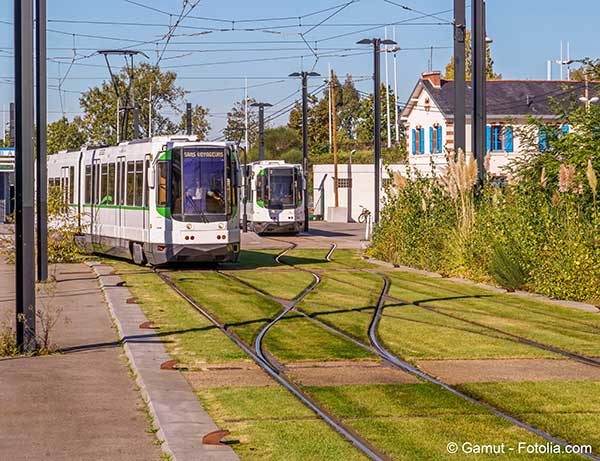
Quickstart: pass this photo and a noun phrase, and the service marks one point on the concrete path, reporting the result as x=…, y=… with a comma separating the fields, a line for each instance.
x=82, y=404
x=181, y=420
x=322, y=235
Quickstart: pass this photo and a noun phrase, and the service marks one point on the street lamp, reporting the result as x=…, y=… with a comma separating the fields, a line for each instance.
x=377, y=42
x=304, y=75
x=261, y=127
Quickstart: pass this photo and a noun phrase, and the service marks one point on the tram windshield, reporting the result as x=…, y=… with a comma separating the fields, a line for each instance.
x=282, y=188
x=198, y=185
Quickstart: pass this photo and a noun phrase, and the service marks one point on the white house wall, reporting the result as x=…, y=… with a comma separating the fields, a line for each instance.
x=362, y=192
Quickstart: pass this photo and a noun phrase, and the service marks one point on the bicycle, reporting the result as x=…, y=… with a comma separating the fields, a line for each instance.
x=364, y=215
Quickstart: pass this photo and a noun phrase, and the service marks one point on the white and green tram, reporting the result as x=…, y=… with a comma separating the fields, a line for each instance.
x=158, y=200
x=275, y=202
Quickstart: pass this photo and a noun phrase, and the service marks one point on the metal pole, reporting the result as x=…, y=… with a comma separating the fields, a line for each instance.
x=377, y=122
x=330, y=119
x=460, y=21
x=387, y=94
x=150, y=112
x=246, y=186
x=479, y=89
x=41, y=102
x=246, y=146
x=4, y=125
x=11, y=120
x=261, y=132
x=396, y=115
x=118, y=120
x=305, y=146
x=335, y=151
x=24, y=186
x=188, y=118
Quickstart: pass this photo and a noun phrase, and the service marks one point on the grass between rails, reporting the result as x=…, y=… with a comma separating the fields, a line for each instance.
x=243, y=310
x=272, y=425
x=567, y=328
x=569, y=410
x=286, y=285
x=417, y=421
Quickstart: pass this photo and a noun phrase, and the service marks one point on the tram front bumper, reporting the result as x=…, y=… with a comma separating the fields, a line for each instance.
x=277, y=227
x=160, y=254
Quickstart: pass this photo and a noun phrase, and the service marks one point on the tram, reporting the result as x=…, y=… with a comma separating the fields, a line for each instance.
x=274, y=197
x=158, y=200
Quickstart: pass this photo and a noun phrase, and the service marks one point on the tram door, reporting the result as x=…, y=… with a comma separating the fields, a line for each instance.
x=145, y=199
x=120, y=197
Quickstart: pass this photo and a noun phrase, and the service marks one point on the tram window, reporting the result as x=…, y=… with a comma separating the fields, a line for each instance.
x=96, y=171
x=72, y=184
x=259, y=188
x=163, y=171
x=130, y=183
x=139, y=182
x=176, y=183
x=88, y=184
x=104, y=185
x=111, y=185
x=122, y=180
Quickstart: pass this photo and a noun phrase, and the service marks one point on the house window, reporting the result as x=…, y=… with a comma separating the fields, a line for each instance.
x=497, y=139
x=435, y=139
x=500, y=138
x=418, y=140
x=344, y=183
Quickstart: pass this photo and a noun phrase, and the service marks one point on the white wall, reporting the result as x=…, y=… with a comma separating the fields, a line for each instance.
x=361, y=193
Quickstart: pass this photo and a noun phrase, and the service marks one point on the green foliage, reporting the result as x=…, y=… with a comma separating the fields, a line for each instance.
x=63, y=226
x=8, y=341
x=489, y=72
x=236, y=122
x=66, y=135
x=200, y=124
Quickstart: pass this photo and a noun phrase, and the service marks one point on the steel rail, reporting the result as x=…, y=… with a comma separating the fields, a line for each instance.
x=261, y=360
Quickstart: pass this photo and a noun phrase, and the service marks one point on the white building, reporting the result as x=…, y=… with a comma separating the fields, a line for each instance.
x=428, y=117
x=356, y=188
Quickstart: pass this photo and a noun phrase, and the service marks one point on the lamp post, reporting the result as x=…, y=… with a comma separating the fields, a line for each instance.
x=479, y=116
x=41, y=102
x=377, y=42
x=460, y=27
x=261, y=127
x=304, y=76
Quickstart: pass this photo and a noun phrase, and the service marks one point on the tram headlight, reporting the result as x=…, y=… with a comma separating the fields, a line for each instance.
x=221, y=226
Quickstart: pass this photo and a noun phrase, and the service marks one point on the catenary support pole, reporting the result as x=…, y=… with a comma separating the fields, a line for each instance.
x=377, y=124
x=387, y=94
x=479, y=89
x=261, y=132
x=460, y=28
x=334, y=140
x=24, y=181
x=41, y=102
x=188, y=118
x=396, y=107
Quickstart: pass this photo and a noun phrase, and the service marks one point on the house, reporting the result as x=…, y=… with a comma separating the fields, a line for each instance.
x=428, y=117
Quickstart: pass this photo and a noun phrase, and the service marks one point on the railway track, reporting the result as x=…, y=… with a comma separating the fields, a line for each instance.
x=258, y=355
x=377, y=348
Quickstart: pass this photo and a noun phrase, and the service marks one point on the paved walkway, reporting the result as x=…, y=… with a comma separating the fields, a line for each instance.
x=321, y=235
x=81, y=404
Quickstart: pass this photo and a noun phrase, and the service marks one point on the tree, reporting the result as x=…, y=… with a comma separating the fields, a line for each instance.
x=200, y=123
x=590, y=69
x=366, y=117
x=236, y=123
x=100, y=104
x=65, y=135
x=280, y=140
x=489, y=66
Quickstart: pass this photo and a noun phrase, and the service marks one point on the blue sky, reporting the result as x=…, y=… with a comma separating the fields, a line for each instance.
x=526, y=34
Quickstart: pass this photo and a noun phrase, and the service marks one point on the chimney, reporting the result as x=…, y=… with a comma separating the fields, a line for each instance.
x=434, y=77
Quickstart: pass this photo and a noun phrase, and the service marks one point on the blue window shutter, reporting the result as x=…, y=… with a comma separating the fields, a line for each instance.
x=414, y=141
x=509, y=139
x=422, y=141
x=431, y=151
x=440, y=144
x=565, y=129
x=542, y=139
x=488, y=137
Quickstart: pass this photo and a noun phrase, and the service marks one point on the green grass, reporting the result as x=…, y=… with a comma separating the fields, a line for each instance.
x=567, y=328
x=281, y=284
x=306, y=258
x=188, y=336
x=243, y=310
x=568, y=410
x=417, y=421
x=352, y=258
x=345, y=300
x=296, y=338
x=416, y=334
x=256, y=259
x=271, y=424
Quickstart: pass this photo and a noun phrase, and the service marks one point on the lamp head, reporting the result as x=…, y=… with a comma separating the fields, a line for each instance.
x=365, y=41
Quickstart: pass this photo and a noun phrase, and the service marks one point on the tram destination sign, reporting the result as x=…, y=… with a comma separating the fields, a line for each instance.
x=7, y=160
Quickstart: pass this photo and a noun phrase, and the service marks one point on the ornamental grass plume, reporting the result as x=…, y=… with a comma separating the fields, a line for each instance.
x=566, y=178
x=592, y=180
x=543, y=178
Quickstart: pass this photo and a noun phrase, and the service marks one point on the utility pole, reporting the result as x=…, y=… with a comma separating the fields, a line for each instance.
x=334, y=140
x=41, y=102
x=12, y=132
x=330, y=119
x=188, y=118
x=150, y=112
x=387, y=95
x=460, y=27
x=377, y=42
x=261, y=128
x=479, y=117
x=304, y=76
x=24, y=181
x=396, y=117
x=247, y=142
x=118, y=120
